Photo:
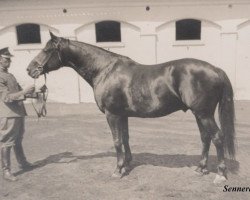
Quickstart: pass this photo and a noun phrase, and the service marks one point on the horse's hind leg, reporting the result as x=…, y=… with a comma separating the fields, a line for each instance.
x=210, y=129
x=119, y=125
x=218, y=139
x=206, y=141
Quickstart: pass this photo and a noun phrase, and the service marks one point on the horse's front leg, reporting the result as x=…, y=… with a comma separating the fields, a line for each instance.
x=125, y=141
x=119, y=128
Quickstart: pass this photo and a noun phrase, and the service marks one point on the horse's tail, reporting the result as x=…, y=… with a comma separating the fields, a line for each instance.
x=227, y=115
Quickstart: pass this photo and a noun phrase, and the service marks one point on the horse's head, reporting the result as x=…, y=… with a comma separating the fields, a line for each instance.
x=48, y=59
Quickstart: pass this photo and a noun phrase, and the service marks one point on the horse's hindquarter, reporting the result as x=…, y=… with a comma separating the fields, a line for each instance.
x=138, y=91
x=198, y=83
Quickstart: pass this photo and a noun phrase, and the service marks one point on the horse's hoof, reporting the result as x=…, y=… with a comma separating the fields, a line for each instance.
x=205, y=172
x=117, y=174
x=219, y=179
x=123, y=171
x=201, y=171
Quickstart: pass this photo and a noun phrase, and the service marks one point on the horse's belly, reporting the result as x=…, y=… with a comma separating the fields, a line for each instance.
x=155, y=107
x=152, y=114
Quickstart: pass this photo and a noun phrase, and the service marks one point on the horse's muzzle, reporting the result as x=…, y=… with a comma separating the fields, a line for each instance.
x=34, y=70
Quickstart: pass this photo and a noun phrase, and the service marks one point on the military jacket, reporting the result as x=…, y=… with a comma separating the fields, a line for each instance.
x=11, y=100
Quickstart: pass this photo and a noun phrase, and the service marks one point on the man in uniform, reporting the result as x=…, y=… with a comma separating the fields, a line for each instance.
x=12, y=113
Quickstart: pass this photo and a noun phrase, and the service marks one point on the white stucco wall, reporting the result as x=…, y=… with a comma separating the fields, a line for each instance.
x=243, y=61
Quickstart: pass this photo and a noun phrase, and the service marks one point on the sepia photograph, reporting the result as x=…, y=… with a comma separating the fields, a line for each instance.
x=124, y=100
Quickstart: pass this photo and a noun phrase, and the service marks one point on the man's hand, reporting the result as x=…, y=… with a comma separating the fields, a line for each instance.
x=29, y=90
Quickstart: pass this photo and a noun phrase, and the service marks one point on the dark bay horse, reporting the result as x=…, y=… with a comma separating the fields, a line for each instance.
x=124, y=88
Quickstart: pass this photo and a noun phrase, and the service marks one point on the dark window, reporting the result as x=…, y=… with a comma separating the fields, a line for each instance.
x=188, y=29
x=108, y=31
x=28, y=34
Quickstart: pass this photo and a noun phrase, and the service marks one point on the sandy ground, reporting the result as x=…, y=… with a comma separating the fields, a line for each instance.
x=75, y=158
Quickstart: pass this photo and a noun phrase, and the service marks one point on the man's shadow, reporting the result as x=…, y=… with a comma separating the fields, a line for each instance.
x=166, y=160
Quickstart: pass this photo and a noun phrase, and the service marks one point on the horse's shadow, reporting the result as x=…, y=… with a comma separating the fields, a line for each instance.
x=166, y=160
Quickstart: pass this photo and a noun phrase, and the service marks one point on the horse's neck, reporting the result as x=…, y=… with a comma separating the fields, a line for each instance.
x=87, y=60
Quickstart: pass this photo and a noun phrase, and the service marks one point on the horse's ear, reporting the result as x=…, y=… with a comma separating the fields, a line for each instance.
x=53, y=37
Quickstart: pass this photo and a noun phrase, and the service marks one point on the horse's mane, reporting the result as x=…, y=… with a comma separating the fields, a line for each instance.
x=99, y=50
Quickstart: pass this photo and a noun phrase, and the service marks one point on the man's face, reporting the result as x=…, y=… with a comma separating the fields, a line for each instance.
x=5, y=62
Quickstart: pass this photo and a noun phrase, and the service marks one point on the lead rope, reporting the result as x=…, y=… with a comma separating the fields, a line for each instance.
x=41, y=99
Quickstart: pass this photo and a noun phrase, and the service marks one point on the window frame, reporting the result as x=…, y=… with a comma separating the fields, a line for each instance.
x=36, y=26
x=109, y=40
x=187, y=43
x=182, y=38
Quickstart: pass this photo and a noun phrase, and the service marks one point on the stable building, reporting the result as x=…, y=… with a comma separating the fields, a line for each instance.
x=148, y=31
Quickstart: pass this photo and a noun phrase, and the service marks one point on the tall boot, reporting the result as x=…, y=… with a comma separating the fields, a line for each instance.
x=20, y=157
x=5, y=158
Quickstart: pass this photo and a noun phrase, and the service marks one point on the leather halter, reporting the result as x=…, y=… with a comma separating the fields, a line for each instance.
x=42, y=96
x=43, y=62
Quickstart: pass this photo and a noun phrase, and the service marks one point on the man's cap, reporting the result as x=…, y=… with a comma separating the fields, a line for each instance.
x=5, y=53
